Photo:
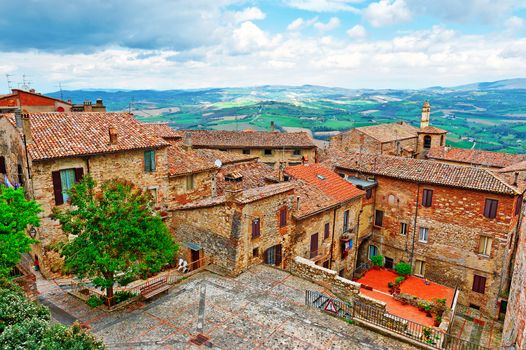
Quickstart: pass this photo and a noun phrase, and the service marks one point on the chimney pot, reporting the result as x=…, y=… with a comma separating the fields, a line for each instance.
x=516, y=179
x=26, y=127
x=188, y=140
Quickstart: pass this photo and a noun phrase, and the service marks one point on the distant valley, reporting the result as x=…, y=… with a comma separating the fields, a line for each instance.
x=489, y=116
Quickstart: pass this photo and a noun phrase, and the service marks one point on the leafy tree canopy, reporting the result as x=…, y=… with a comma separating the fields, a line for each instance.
x=16, y=214
x=115, y=232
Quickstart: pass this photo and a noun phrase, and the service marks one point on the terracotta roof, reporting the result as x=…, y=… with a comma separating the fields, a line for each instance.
x=59, y=135
x=390, y=131
x=183, y=161
x=163, y=130
x=249, y=139
x=254, y=174
x=521, y=166
x=247, y=196
x=475, y=156
x=420, y=170
x=326, y=180
x=311, y=199
x=432, y=130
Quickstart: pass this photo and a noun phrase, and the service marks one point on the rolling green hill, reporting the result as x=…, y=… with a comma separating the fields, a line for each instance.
x=493, y=115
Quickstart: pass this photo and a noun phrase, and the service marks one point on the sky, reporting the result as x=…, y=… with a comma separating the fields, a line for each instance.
x=182, y=44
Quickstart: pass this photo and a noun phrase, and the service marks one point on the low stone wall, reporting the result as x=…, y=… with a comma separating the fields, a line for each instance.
x=327, y=278
x=364, y=299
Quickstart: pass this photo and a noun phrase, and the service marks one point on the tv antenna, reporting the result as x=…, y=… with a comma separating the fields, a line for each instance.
x=60, y=89
x=9, y=82
x=26, y=84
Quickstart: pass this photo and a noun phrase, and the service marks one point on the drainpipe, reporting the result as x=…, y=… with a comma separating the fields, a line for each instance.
x=355, y=258
x=414, y=223
x=332, y=238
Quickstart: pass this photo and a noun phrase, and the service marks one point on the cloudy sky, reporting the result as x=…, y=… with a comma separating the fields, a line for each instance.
x=173, y=44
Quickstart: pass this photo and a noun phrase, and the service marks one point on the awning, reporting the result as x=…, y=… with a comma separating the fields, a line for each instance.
x=360, y=183
x=193, y=246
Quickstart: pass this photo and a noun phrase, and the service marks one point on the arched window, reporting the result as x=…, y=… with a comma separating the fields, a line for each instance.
x=60, y=109
x=427, y=141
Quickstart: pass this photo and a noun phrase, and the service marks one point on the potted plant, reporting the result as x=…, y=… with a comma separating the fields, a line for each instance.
x=390, y=286
x=421, y=305
x=438, y=320
x=427, y=309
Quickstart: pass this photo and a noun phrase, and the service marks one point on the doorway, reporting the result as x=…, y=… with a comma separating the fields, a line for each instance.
x=388, y=263
x=195, y=259
x=273, y=255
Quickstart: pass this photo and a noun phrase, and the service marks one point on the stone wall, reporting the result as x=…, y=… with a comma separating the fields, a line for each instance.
x=329, y=279
x=354, y=140
x=12, y=149
x=307, y=227
x=179, y=194
x=514, y=333
x=280, y=155
x=456, y=223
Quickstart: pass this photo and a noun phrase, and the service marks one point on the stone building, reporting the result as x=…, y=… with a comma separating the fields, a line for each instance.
x=13, y=160
x=456, y=225
x=326, y=217
x=476, y=157
x=61, y=147
x=273, y=148
x=400, y=138
x=514, y=332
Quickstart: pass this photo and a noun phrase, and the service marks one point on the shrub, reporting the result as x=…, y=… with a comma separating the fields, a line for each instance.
x=377, y=260
x=403, y=268
x=16, y=308
x=122, y=295
x=94, y=301
x=399, y=279
x=440, y=301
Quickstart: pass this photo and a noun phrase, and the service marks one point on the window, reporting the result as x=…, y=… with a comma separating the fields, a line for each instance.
x=378, y=218
x=189, y=182
x=326, y=230
x=3, y=169
x=283, y=217
x=403, y=229
x=255, y=252
x=420, y=267
x=391, y=199
x=296, y=152
x=268, y=152
x=63, y=180
x=313, y=245
x=490, y=208
x=427, y=198
x=427, y=141
x=373, y=251
x=368, y=193
x=479, y=284
x=485, y=245
x=20, y=174
x=246, y=151
x=346, y=221
x=256, y=228
x=423, y=234
x=149, y=161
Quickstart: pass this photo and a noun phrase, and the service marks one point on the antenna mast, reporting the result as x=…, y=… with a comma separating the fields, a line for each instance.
x=9, y=82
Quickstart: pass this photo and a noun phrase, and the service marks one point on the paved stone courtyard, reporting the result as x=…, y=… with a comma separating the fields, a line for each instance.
x=262, y=308
x=469, y=325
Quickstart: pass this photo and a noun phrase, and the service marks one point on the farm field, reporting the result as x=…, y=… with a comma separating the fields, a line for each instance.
x=484, y=119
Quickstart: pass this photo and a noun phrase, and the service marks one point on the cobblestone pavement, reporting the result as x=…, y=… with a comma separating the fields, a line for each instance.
x=262, y=308
x=469, y=325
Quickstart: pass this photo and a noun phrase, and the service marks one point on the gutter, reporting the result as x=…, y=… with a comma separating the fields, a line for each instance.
x=414, y=224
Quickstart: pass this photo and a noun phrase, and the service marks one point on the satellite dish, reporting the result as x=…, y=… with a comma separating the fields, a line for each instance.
x=218, y=163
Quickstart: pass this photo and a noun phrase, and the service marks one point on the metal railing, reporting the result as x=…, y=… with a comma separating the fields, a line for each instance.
x=352, y=310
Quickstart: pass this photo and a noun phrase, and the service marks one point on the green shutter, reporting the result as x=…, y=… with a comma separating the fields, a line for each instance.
x=147, y=161
x=152, y=160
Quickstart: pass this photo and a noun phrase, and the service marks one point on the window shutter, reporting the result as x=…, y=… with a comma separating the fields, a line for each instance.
x=326, y=231
x=152, y=160
x=494, y=208
x=79, y=173
x=147, y=161
x=2, y=165
x=283, y=217
x=57, y=187
x=278, y=255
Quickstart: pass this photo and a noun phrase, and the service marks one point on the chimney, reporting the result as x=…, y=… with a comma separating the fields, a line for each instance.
x=187, y=140
x=516, y=179
x=87, y=106
x=233, y=191
x=18, y=118
x=26, y=128
x=113, y=135
x=32, y=91
x=272, y=126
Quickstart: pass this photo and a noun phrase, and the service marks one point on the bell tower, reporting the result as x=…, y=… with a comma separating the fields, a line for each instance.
x=426, y=111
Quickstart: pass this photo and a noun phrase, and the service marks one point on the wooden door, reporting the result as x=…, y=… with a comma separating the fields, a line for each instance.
x=314, y=245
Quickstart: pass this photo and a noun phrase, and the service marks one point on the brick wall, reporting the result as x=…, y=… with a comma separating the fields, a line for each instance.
x=456, y=223
x=514, y=332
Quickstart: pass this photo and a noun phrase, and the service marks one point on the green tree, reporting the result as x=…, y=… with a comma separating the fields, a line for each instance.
x=16, y=214
x=115, y=232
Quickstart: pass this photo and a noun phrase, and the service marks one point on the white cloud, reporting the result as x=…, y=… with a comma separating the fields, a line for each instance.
x=249, y=14
x=332, y=24
x=324, y=5
x=387, y=12
x=514, y=24
x=249, y=38
x=296, y=24
x=357, y=32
